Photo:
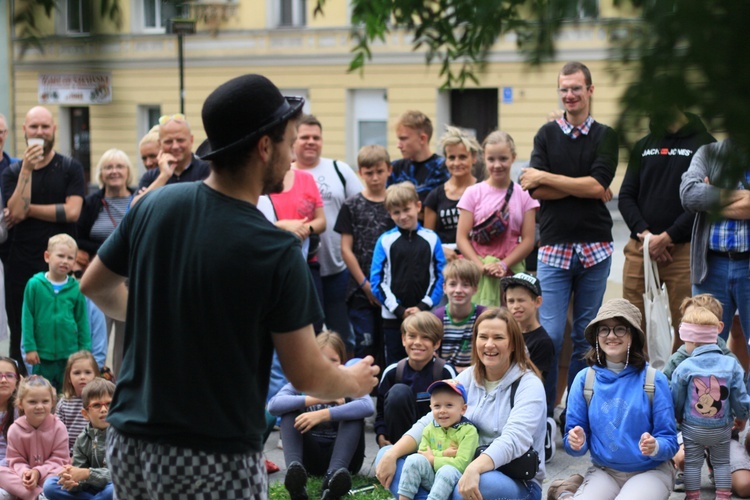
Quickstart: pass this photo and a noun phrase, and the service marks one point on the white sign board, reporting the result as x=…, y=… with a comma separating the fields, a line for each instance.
x=75, y=88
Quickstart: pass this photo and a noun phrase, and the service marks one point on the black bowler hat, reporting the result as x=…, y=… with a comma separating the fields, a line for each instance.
x=241, y=110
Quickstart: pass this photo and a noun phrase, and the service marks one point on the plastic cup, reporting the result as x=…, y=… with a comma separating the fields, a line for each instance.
x=35, y=141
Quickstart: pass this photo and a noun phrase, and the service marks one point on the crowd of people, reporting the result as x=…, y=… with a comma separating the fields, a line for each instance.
x=420, y=269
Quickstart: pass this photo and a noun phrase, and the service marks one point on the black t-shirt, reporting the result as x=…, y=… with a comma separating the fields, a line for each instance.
x=196, y=171
x=447, y=214
x=209, y=280
x=541, y=349
x=365, y=220
x=61, y=178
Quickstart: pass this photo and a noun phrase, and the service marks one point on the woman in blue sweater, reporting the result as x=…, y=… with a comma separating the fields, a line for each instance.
x=629, y=428
x=321, y=437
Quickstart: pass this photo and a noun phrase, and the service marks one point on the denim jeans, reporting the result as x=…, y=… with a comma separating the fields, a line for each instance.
x=335, y=308
x=729, y=281
x=54, y=491
x=587, y=286
x=492, y=484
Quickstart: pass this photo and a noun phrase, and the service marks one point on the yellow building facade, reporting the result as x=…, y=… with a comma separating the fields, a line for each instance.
x=106, y=86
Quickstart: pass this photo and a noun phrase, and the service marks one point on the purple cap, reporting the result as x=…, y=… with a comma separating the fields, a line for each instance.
x=454, y=384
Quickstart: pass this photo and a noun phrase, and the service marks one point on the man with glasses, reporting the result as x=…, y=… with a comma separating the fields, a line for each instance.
x=176, y=160
x=571, y=168
x=44, y=195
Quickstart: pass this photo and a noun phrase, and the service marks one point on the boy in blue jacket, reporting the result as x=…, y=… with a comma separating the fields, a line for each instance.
x=407, y=267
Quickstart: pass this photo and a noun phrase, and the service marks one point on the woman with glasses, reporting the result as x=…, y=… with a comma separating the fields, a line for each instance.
x=620, y=410
x=101, y=213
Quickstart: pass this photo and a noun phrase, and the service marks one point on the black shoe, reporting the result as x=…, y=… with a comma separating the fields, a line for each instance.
x=296, y=481
x=337, y=485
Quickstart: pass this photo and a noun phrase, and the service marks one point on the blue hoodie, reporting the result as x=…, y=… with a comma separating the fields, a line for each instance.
x=619, y=413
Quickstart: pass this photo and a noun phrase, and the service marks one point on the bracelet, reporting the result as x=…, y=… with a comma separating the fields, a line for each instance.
x=362, y=284
x=504, y=266
x=60, y=217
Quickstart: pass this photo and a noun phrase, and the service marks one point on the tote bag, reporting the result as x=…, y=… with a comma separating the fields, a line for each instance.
x=659, y=330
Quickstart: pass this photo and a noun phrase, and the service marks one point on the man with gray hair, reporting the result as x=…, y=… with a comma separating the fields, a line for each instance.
x=5, y=158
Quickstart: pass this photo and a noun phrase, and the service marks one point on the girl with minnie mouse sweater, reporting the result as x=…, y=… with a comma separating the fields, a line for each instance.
x=708, y=391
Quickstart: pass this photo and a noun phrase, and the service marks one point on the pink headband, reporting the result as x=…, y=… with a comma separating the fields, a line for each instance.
x=691, y=332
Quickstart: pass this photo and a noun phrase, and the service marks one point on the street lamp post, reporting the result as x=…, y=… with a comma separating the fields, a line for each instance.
x=181, y=27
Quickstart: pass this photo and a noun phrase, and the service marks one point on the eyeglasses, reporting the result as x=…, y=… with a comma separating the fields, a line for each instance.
x=620, y=330
x=179, y=117
x=76, y=274
x=3, y=132
x=577, y=90
x=8, y=375
x=99, y=406
x=115, y=166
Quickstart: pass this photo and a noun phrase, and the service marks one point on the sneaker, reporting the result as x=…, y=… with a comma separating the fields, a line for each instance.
x=337, y=485
x=562, y=488
x=549, y=440
x=271, y=467
x=295, y=481
x=679, y=481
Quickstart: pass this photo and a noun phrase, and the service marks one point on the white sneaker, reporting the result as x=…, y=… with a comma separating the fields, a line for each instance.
x=549, y=440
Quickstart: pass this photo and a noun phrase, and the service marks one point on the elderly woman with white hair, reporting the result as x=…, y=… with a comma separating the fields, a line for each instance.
x=101, y=213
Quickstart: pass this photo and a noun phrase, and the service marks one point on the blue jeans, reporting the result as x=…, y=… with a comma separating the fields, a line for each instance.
x=366, y=324
x=335, y=308
x=492, y=484
x=587, y=286
x=729, y=281
x=54, y=491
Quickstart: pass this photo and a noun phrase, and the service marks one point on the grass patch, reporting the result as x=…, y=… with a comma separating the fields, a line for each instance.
x=314, y=483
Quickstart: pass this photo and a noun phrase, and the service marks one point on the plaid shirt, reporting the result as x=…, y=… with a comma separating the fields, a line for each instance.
x=731, y=235
x=589, y=254
x=574, y=131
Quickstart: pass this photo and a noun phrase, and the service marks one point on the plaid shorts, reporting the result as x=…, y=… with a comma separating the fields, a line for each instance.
x=143, y=470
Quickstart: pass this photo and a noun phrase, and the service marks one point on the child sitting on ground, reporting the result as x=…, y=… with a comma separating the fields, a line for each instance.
x=55, y=323
x=79, y=372
x=699, y=385
x=446, y=448
x=458, y=316
x=402, y=396
x=89, y=476
x=37, y=441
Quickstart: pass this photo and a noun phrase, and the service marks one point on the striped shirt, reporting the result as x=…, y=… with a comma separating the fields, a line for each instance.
x=110, y=215
x=69, y=412
x=455, y=347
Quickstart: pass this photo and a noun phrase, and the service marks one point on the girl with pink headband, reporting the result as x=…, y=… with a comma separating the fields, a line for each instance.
x=709, y=399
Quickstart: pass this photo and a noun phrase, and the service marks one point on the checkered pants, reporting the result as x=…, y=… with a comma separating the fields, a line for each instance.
x=143, y=470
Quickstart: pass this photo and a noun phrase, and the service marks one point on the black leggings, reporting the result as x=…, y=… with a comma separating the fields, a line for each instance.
x=319, y=455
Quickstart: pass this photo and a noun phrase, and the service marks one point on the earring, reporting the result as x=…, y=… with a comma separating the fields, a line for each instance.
x=627, y=358
x=598, y=360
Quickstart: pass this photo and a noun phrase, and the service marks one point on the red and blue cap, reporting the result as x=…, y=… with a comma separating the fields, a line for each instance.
x=453, y=384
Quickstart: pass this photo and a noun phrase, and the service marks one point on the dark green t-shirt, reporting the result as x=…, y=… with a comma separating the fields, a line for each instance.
x=209, y=280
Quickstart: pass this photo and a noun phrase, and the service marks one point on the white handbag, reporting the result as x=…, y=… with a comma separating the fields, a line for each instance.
x=659, y=330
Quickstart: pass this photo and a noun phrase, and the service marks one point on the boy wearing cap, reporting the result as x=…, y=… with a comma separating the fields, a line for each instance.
x=523, y=297
x=447, y=446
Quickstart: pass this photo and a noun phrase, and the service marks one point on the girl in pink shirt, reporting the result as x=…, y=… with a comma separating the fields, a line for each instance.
x=37, y=441
x=497, y=253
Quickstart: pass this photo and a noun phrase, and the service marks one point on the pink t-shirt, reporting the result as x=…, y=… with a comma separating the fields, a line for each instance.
x=481, y=200
x=300, y=201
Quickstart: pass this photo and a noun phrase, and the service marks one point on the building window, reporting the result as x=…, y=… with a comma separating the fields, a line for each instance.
x=581, y=9
x=367, y=119
x=157, y=13
x=78, y=16
x=292, y=13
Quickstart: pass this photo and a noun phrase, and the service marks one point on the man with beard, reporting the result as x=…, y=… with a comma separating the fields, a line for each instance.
x=211, y=280
x=44, y=194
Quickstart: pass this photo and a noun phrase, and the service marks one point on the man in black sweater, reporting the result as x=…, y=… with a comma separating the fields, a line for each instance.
x=649, y=202
x=571, y=168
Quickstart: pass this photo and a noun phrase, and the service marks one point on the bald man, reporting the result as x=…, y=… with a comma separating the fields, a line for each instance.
x=43, y=195
x=176, y=160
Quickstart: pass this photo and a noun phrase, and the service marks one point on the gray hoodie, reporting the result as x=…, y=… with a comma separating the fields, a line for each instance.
x=509, y=434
